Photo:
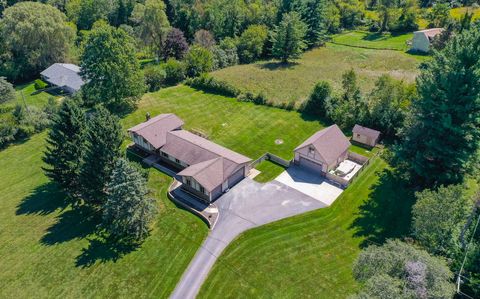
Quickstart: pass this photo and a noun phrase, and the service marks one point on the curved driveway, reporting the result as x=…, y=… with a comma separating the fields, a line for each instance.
x=247, y=205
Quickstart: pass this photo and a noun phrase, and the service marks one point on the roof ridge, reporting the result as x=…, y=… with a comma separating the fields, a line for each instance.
x=206, y=166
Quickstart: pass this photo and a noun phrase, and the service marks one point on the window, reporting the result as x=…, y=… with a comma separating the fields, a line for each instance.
x=202, y=189
x=189, y=182
x=311, y=151
x=164, y=154
x=144, y=140
x=178, y=161
x=358, y=135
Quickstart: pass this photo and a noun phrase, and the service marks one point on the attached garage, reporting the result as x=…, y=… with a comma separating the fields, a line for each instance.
x=310, y=165
x=236, y=177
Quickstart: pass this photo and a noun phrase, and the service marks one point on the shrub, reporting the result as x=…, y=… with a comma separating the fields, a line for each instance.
x=7, y=92
x=198, y=60
x=225, y=54
x=155, y=77
x=259, y=99
x=174, y=72
x=315, y=104
x=39, y=84
x=207, y=83
x=8, y=130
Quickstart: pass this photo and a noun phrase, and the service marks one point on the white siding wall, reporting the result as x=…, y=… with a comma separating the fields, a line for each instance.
x=420, y=42
x=141, y=142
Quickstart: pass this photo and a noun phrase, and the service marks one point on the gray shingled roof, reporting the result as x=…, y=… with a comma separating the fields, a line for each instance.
x=155, y=129
x=330, y=143
x=198, y=152
x=357, y=129
x=64, y=75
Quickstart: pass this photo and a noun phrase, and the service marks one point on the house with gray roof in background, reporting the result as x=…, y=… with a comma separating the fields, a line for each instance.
x=206, y=169
x=365, y=135
x=423, y=39
x=65, y=76
x=323, y=151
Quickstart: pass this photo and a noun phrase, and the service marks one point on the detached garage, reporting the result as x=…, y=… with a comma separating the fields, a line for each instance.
x=323, y=151
x=365, y=135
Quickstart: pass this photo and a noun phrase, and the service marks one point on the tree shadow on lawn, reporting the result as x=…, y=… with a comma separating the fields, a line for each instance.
x=43, y=200
x=387, y=212
x=103, y=249
x=75, y=223
x=273, y=66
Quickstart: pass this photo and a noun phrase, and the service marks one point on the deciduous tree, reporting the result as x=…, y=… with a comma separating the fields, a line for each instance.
x=176, y=45
x=251, y=42
x=7, y=92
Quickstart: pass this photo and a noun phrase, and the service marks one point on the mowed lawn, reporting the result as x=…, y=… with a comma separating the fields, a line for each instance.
x=243, y=127
x=312, y=255
x=48, y=250
x=373, y=40
x=293, y=82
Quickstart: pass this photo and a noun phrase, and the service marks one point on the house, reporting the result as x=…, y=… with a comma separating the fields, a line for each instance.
x=206, y=169
x=365, y=135
x=323, y=151
x=423, y=38
x=65, y=76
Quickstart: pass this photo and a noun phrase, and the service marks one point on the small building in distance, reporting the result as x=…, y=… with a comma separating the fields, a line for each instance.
x=365, y=135
x=65, y=76
x=422, y=39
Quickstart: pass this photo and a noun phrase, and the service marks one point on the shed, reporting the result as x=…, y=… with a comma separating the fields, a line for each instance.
x=422, y=39
x=63, y=75
x=365, y=135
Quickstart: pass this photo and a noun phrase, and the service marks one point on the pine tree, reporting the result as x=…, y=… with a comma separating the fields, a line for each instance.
x=314, y=14
x=442, y=136
x=288, y=37
x=128, y=211
x=66, y=146
x=104, y=137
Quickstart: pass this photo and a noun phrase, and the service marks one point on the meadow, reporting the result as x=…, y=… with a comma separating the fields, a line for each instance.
x=293, y=82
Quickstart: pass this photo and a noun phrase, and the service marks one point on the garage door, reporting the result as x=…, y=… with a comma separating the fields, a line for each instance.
x=310, y=165
x=236, y=177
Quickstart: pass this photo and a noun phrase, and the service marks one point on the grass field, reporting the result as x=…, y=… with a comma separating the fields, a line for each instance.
x=244, y=127
x=373, y=40
x=293, y=82
x=311, y=255
x=268, y=171
x=26, y=94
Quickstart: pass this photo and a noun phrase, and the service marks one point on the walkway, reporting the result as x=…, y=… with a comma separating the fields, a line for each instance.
x=247, y=205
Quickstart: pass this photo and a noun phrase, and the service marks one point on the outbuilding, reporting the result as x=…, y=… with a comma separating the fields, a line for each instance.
x=365, y=135
x=65, y=76
x=423, y=39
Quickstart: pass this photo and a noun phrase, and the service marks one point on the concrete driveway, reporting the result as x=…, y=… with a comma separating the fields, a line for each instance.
x=247, y=205
x=310, y=184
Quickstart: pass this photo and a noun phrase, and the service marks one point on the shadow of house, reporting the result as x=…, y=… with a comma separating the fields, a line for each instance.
x=44, y=199
x=274, y=66
x=72, y=224
x=103, y=250
x=387, y=212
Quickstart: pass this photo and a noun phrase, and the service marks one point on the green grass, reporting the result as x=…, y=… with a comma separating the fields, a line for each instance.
x=364, y=151
x=30, y=98
x=48, y=250
x=244, y=127
x=312, y=255
x=293, y=82
x=374, y=40
x=268, y=171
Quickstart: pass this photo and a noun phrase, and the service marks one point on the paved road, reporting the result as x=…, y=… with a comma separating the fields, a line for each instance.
x=247, y=205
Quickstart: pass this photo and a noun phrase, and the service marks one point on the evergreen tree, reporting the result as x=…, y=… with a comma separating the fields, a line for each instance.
x=66, y=146
x=104, y=137
x=288, y=37
x=314, y=14
x=127, y=211
x=110, y=68
x=442, y=136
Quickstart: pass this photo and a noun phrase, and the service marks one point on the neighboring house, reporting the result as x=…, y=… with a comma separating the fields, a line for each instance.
x=323, y=151
x=207, y=169
x=63, y=75
x=422, y=39
x=365, y=135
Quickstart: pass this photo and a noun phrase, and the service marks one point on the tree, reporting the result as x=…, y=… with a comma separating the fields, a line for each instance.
x=441, y=137
x=26, y=31
x=439, y=15
x=388, y=104
x=176, y=45
x=86, y=12
x=104, y=137
x=7, y=92
x=66, y=147
x=315, y=15
x=110, y=68
x=198, y=60
x=399, y=270
x=319, y=96
x=439, y=218
x=152, y=24
x=204, y=39
x=287, y=37
x=251, y=42
x=175, y=71
x=128, y=211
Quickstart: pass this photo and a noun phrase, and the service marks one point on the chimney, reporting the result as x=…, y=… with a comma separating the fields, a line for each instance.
x=147, y=116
